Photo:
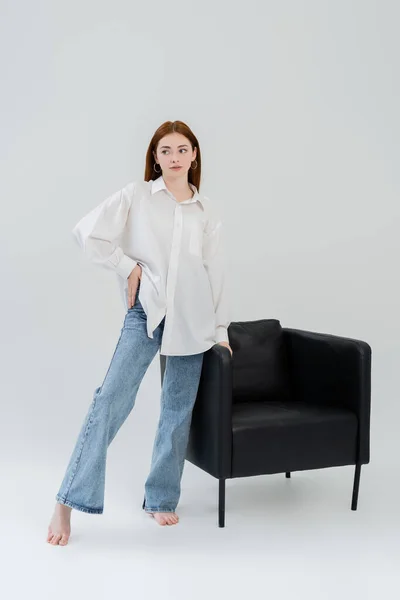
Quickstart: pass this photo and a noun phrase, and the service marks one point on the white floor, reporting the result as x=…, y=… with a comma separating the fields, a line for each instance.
x=284, y=538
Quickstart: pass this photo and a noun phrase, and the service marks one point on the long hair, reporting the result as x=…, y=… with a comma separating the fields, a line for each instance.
x=194, y=175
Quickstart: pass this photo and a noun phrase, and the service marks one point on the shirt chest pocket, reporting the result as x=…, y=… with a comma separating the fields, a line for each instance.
x=196, y=238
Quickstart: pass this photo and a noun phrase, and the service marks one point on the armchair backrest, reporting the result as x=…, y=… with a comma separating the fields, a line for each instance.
x=260, y=368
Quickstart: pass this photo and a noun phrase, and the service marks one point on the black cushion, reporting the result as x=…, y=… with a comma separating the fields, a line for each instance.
x=260, y=368
x=273, y=437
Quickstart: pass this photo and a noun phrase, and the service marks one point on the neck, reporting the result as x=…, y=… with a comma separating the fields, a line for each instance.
x=177, y=184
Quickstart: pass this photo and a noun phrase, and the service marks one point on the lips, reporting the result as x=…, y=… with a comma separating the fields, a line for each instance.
x=176, y=168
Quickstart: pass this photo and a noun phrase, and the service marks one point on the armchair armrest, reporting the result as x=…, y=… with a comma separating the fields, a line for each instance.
x=333, y=370
x=210, y=439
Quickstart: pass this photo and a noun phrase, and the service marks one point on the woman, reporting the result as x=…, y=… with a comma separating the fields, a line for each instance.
x=163, y=240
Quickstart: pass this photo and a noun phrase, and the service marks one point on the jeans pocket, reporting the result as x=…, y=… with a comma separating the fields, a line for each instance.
x=136, y=299
x=135, y=317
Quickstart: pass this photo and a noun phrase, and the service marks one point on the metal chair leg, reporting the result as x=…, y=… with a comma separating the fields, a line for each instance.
x=356, y=485
x=221, y=503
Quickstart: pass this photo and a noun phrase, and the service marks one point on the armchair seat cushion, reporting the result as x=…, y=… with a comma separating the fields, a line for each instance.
x=273, y=436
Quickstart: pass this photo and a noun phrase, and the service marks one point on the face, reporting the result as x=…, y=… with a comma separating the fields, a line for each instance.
x=174, y=150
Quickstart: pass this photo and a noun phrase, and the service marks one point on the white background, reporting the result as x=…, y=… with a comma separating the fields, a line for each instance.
x=296, y=108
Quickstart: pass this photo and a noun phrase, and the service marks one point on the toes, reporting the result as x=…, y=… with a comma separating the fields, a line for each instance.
x=165, y=518
x=172, y=519
x=64, y=540
x=56, y=539
x=162, y=519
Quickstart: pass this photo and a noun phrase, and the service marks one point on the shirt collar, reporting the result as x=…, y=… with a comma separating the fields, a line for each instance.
x=159, y=184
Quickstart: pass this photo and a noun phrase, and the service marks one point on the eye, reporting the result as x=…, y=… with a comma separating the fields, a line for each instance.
x=184, y=149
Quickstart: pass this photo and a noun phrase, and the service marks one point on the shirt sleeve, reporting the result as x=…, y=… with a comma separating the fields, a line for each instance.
x=215, y=264
x=97, y=232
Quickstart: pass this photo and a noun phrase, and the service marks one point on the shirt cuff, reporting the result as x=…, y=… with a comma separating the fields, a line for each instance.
x=221, y=334
x=125, y=266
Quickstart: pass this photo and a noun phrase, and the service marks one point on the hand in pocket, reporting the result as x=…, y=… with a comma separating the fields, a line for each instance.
x=133, y=283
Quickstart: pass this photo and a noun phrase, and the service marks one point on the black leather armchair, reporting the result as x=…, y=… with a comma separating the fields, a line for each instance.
x=286, y=400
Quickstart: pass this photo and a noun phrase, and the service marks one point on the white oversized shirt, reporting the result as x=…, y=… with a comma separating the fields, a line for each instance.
x=179, y=246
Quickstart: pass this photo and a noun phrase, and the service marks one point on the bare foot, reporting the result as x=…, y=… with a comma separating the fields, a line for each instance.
x=165, y=518
x=60, y=525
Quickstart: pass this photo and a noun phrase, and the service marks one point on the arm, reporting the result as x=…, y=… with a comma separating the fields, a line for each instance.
x=97, y=231
x=333, y=370
x=214, y=262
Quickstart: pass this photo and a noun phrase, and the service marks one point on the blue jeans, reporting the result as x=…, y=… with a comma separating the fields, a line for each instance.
x=84, y=481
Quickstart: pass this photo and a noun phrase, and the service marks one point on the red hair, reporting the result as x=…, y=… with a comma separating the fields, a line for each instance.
x=194, y=175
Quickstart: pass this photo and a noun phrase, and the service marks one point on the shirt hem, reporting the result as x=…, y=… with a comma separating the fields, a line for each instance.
x=168, y=353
